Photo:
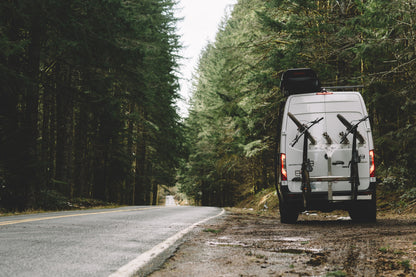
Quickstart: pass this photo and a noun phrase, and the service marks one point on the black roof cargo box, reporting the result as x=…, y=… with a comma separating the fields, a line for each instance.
x=299, y=80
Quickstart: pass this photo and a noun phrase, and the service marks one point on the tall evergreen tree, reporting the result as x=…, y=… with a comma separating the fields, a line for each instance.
x=236, y=103
x=87, y=100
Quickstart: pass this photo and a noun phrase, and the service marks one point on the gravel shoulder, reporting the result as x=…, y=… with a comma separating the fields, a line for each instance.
x=244, y=243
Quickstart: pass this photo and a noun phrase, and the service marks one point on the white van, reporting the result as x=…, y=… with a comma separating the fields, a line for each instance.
x=318, y=170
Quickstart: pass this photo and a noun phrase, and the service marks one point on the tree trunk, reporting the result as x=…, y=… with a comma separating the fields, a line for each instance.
x=29, y=125
x=64, y=132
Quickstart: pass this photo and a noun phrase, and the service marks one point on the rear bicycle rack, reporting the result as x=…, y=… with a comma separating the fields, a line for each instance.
x=355, y=158
x=306, y=163
x=329, y=179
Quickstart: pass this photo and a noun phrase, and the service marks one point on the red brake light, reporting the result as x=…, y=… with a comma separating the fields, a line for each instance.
x=372, y=164
x=283, y=172
x=324, y=93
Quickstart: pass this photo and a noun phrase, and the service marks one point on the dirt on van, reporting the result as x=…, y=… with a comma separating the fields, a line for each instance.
x=250, y=243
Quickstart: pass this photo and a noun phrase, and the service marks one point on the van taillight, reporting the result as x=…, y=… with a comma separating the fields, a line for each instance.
x=324, y=93
x=283, y=172
x=372, y=164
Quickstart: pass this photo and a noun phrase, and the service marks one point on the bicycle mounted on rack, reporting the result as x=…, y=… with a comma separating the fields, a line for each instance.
x=355, y=158
x=306, y=163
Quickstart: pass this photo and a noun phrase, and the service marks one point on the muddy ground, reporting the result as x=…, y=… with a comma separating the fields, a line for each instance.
x=244, y=243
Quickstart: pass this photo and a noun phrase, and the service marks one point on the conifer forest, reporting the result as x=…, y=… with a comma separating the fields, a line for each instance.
x=89, y=90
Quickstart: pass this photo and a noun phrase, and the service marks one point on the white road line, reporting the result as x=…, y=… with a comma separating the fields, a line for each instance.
x=135, y=265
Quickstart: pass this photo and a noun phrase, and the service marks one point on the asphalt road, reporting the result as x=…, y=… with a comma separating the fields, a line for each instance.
x=88, y=243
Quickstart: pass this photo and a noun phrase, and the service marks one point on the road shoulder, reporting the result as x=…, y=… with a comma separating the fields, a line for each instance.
x=252, y=244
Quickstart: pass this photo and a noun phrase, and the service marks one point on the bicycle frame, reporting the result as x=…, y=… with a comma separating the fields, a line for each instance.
x=355, y=158
x=306, y=163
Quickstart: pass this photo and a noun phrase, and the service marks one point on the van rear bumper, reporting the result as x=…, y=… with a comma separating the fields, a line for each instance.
x=341, y=200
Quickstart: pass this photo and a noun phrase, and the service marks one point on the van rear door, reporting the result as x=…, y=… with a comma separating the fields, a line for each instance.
x=351, y=106
x=330, y=159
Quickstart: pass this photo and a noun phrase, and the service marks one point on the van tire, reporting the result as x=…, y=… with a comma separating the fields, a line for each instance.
x=288, y=215
x=364, y=212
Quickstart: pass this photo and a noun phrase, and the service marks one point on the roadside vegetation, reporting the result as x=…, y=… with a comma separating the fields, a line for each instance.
x=233, y=124
x=87, y=102
x=389, y=203
x=88, y=91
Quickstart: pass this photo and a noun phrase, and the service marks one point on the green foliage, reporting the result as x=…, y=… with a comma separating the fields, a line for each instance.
x=87, y=101
x=405, y=264
x=234, y=119
x=384, y=249
x=214, y=231
x=337, y=273
x=409, y=195
x=52, y=200
x=86, y=106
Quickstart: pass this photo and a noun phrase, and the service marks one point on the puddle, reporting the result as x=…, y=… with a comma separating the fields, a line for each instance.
x=309, y=213
x=337, y=217
x=229, y=244
x=299, y=250
x=296, y=245
x=292, y=239
x=292, y=251
x=344, y=218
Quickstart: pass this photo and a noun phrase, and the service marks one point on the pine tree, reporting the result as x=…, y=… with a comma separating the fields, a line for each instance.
x=237, y=103
x=87, y=108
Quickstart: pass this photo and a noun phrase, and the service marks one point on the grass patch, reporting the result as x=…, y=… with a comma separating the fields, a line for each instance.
x=214, y=231
x=405, y=264
x=384, y=249
x=57, y=204
x=258, y=202
x=337, y=273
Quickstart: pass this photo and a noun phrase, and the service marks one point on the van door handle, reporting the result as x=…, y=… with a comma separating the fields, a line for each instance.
x=337, y=163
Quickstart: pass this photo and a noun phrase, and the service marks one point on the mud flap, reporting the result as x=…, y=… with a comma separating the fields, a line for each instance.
x=288, y=214
x=364, y=211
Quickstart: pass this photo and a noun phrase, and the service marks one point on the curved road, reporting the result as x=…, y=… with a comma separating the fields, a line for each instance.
x=91, y=242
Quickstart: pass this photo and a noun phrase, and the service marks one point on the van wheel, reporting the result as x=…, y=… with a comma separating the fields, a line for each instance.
x=364, y=212
x=288, y=215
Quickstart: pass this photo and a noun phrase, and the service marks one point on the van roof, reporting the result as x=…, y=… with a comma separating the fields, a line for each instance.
x=348, y=101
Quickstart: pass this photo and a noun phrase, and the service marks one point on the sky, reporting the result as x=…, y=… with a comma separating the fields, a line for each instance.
x=199, y=25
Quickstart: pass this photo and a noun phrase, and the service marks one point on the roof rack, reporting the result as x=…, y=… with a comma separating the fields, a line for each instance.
x=343, y=87
x=299, y=80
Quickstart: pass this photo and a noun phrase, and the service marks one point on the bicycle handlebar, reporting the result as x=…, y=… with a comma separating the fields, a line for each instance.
x=350, y=127
x=303, y=128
